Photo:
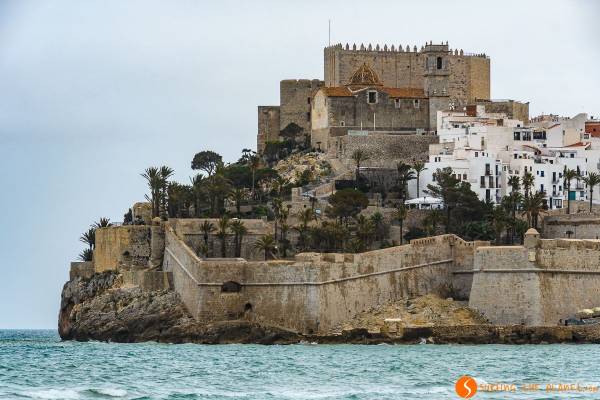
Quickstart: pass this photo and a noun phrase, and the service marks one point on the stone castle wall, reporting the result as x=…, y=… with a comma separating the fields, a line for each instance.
x=268, y=125
x=119, y=246
x=469, y=74
x=315, y=292
x=580, y=226
x=536, y=284
x=384, y=150
x=295, y=102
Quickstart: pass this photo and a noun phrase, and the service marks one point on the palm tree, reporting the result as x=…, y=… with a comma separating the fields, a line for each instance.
x=239, y=230
x=102, y=223
x=207, y=228
x=378, y=225
x=266, y=244
x=254, y=163
x=401, y=213
x=153, y=178
x=499, y=220
x=528, y=181
x=89, y=238
x=86, y=255
x=418, y=167
x=305, y=217
x=514, y=183
x=277, y=207
x=431, y=221
x=165, y=173
x=198, y=191
x=364, y=230
x=569, y=175
x=532, y=207
x=359, y=156
x=405, y=175
x=238, y=195
x=222, y=233
x=591, y=181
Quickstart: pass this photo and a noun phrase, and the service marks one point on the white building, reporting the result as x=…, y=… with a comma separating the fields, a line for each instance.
x=487, y=149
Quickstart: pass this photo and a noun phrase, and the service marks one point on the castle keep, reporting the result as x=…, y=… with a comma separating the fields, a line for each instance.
x=385, y=90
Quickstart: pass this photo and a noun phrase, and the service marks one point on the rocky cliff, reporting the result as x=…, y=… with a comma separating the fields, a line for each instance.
x=101, y=308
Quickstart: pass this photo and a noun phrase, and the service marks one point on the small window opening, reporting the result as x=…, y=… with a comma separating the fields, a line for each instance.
x=231, y=287
x=248, y=307
x=372, y=97
x=439, y=63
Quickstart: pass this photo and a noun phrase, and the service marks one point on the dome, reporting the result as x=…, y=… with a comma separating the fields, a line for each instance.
x=364, y=76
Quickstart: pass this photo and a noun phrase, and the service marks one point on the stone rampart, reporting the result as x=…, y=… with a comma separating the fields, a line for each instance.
x=116, y=246
x=537, y=284
x=315, y=292
x=575, y=226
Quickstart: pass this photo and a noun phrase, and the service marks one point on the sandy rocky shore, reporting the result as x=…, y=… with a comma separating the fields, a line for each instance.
x=101, y=308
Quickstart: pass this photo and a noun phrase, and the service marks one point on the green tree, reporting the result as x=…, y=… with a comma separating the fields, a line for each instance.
x=266, y=244
x=238, y=195
x=499, y=220
x=165, y=173
x=254, y=164
x=591, y=180
x=445, y=188
x=405, y=175
x=153, y=178
x=102, y=223
x=347, y=203
x=379, y=225
x=86, y=255
x=527, y=181
x=207, y=161
x=239, y=230
x=359, y=156
x=365, y=230
x=223, y=224
x=89, y=237
x=305, y=216
x=207, y=228
x=419, y=167
x=532, y=207
x=514, y=183
x=401, y=214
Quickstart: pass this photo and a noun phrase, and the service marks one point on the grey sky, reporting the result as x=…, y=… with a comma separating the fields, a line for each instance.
x=93, y=92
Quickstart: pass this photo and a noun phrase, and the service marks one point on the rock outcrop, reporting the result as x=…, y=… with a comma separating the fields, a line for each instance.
x=100, y=308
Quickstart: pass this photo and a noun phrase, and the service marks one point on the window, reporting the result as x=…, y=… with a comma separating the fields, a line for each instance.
x=439, y=63
x=542, y=188
x=542, y=173
x=482, y=181
x=372, y=97
x=308, y=100
x=342, y=123
x=231, y=287
x=572, y=155
x=517, y=135
x=308, y=116
x=464, y=177
x=476, y=154
x=397, y=103
x=416, y=103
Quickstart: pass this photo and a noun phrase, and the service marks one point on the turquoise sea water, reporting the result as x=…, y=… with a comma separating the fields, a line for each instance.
x=37, y=365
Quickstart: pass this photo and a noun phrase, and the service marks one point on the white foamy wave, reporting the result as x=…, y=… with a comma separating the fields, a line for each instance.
x=51, y=394
x=110, y=392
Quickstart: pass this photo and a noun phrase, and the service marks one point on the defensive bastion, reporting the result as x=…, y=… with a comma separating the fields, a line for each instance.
x=536, y=284
x=313, y=293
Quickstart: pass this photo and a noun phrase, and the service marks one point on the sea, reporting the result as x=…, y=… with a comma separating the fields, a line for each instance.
x=36, y=364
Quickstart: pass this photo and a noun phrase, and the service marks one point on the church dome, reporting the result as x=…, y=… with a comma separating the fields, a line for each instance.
x=364, y=76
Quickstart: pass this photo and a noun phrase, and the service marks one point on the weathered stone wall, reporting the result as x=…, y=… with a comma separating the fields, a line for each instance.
x=539, y=284
x=316, y=292
x=580, y=226
x=148, y=280
x=189, y=231
x=355, y=112
x=513, y=109
x=268, y=126
x=81, y=269
x=469, y=75
x=384, y=150
x=295, y=102
x=117, y=246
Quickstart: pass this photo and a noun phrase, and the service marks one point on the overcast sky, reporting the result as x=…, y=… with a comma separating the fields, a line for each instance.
x=93, y=92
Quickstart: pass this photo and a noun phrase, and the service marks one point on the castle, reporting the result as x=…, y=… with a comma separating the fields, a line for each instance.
x=385, y=90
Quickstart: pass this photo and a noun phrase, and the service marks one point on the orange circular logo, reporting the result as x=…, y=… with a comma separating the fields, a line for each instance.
x=466, y=387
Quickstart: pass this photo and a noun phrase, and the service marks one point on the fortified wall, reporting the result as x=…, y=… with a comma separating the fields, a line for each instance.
x=315, y=293
x=572, y=226
x=540, y=283
x=404, y=66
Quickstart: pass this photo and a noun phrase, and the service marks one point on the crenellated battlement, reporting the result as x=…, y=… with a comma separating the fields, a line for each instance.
x=362, y=48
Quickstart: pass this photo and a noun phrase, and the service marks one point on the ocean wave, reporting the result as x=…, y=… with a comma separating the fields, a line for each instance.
x=51, y=394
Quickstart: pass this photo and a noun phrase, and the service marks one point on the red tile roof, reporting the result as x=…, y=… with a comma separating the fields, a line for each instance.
x=337, y=91
x=593, y=128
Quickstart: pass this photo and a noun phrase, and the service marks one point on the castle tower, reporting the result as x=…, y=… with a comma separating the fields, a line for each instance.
x=436, y=80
